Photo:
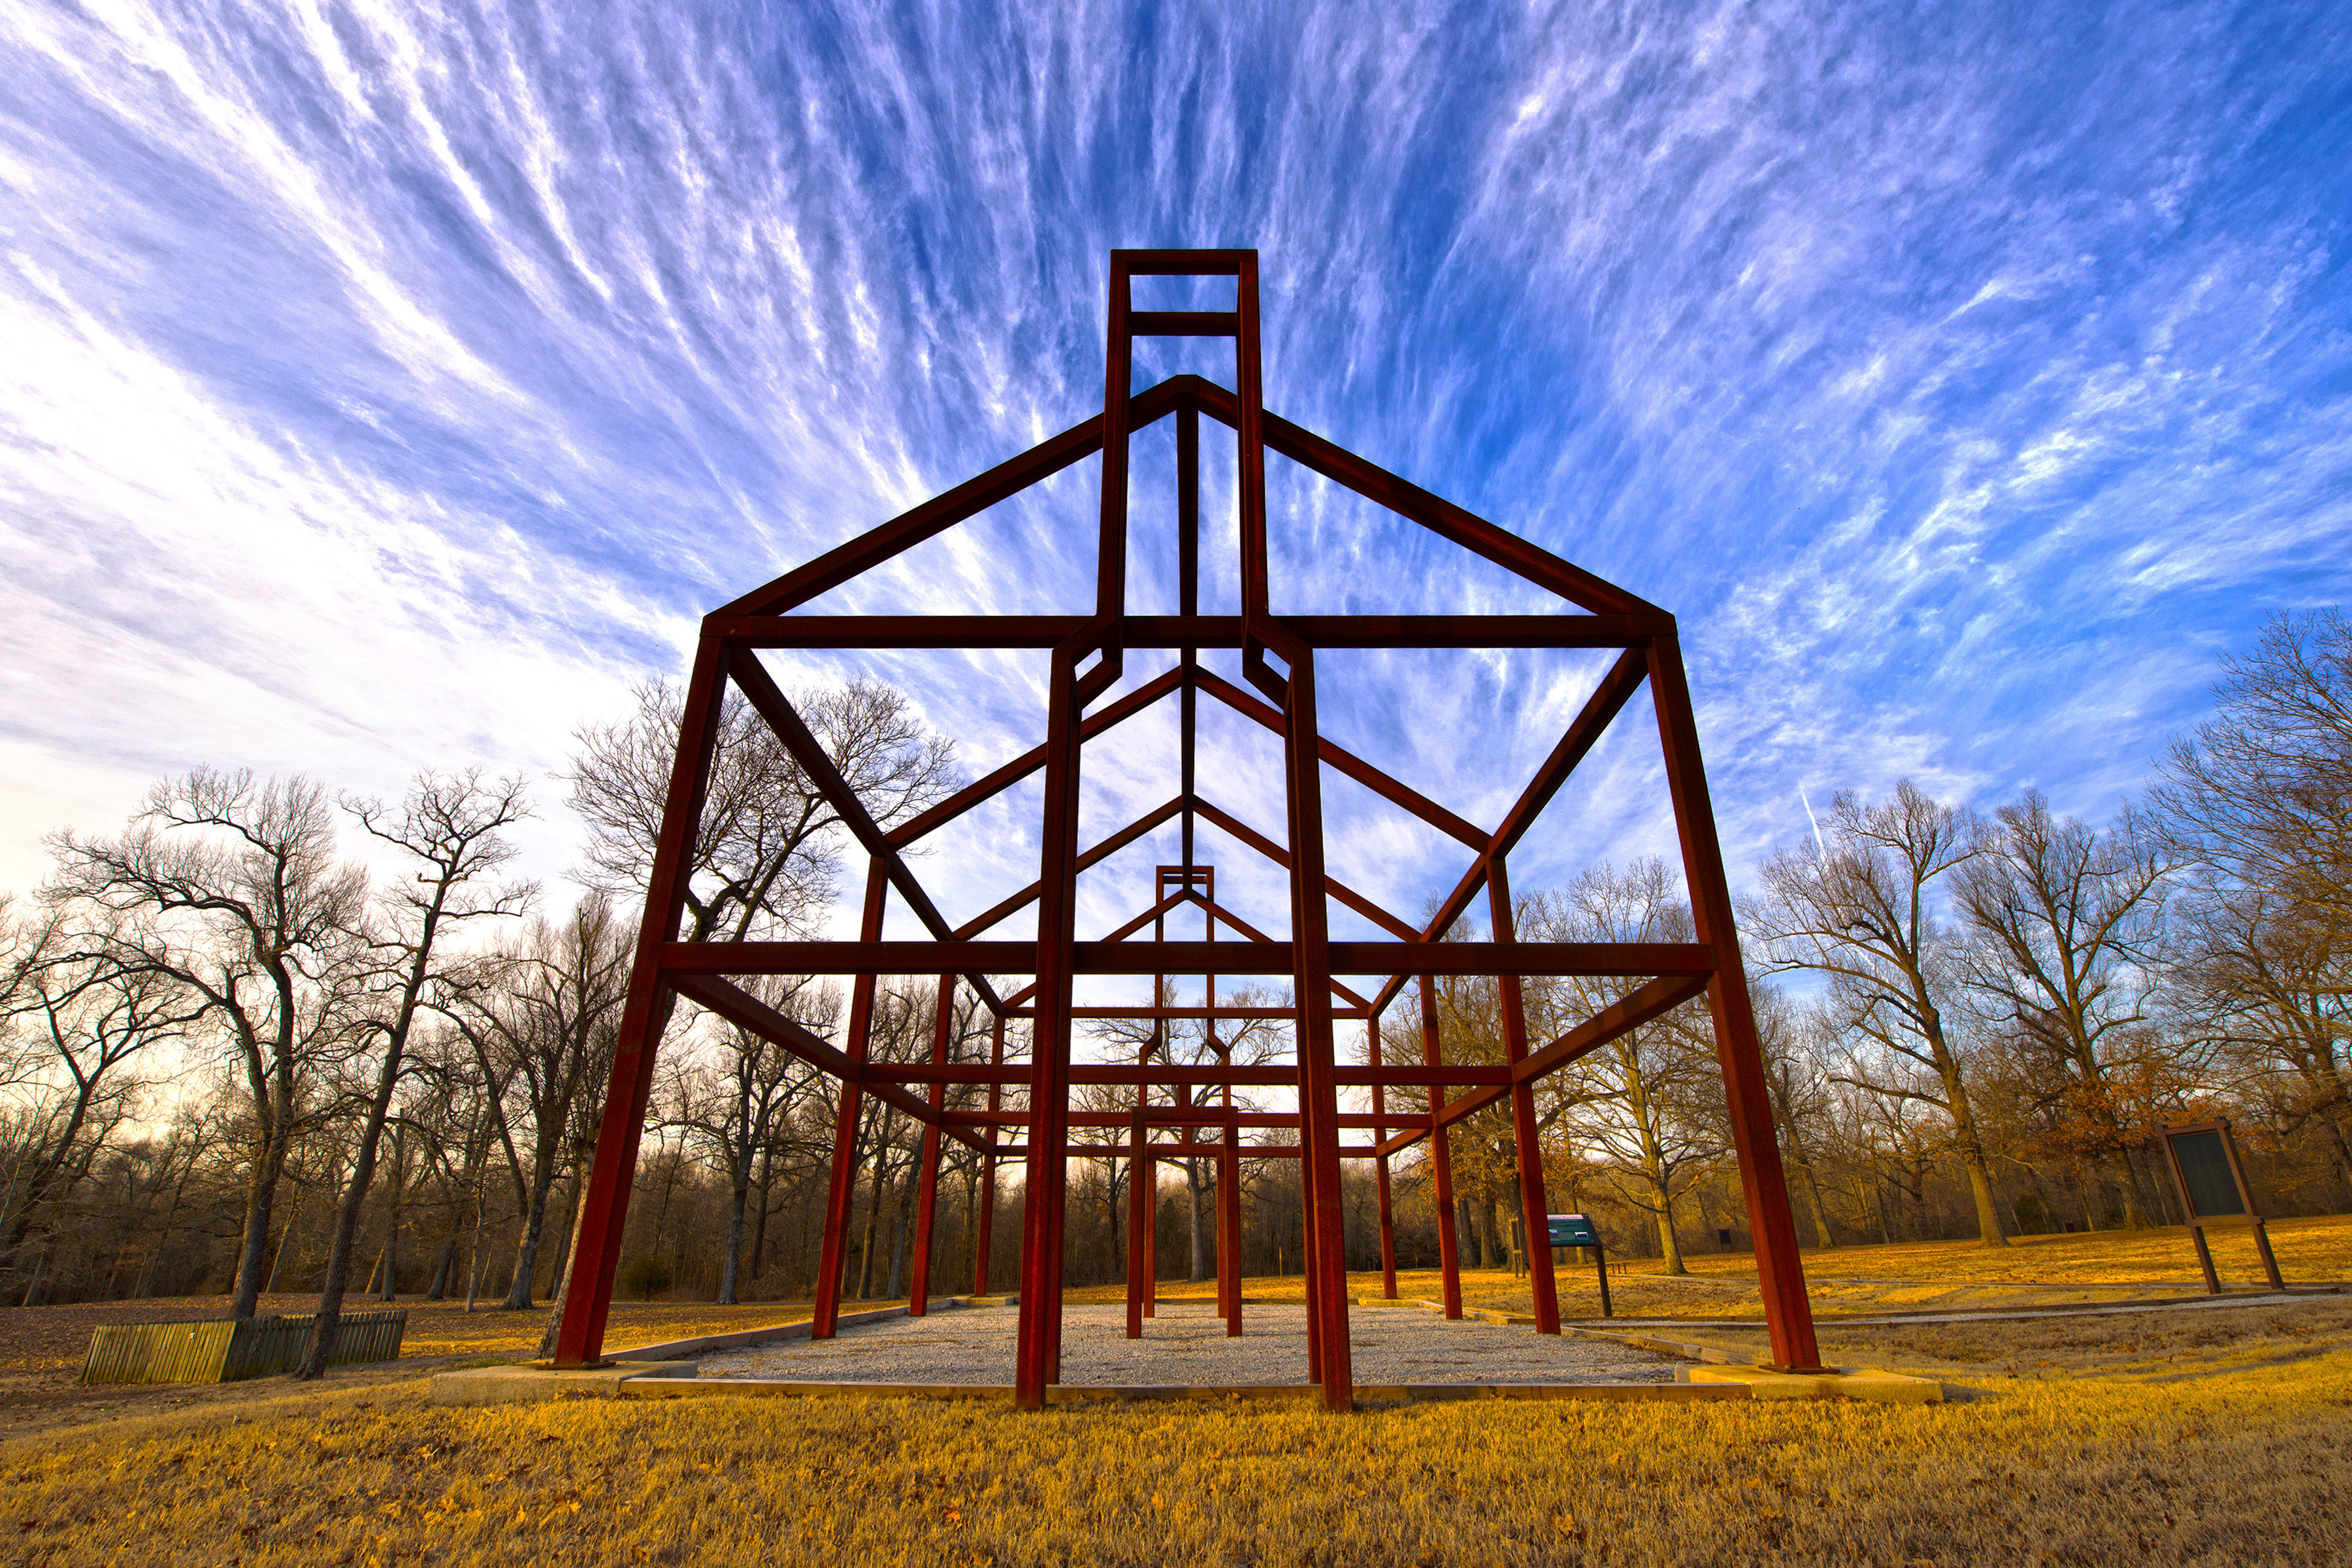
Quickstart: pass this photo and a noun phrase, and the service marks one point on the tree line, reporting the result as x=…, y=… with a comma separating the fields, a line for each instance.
x=234, y=1061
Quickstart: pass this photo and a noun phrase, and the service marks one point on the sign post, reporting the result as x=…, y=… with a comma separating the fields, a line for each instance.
x=2212, y=1186
x=1577, y=1230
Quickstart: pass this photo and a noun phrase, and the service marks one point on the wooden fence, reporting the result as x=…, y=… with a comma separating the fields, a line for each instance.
x=226, y=1350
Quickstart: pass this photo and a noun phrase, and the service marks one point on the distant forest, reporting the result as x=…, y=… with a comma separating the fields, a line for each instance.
x=230, y=1063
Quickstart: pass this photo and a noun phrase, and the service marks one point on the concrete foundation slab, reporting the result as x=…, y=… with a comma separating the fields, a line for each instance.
x=1185, y=1345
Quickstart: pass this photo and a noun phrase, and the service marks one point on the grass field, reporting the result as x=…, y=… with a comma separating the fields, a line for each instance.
x=2052, y=1270
x=2237, y=1459
x=2210, y=1436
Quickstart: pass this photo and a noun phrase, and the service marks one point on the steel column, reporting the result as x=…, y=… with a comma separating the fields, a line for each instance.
x=604, y=1209
x=1441, y=1154
x=1526, y=1136
x=841, y=1185
x=927, y=1190
x=1381, y=1166
x=1318, y=1101
x=1781, y=1274
x=987, y=1223
x=1037, y=1359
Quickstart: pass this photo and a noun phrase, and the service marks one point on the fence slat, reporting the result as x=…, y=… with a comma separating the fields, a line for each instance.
x=227, y=1350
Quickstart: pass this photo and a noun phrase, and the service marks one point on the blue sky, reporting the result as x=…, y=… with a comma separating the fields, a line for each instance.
x=387, y=386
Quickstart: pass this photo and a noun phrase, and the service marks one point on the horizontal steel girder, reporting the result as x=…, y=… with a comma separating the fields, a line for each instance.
x=1388, y=958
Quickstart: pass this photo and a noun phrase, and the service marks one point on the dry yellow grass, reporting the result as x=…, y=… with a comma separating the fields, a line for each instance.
x=2209, y=1436
x=2235, y=1463
x=45, y=1339
x=2039, y=1271
x=438, y=1331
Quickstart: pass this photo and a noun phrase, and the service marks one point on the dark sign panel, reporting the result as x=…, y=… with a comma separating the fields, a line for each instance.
x=1572, y=1230
x=2205, y=1171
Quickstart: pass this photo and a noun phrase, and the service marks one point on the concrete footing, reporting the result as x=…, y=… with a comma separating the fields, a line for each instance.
x=524, y=1383
x=1859, y=1383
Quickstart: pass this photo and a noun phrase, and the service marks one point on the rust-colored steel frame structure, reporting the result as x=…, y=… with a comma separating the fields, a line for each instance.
x=1278, y=658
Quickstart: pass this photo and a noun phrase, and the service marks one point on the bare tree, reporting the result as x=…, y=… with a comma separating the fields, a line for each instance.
x=85, y=1014
x=2068, y=918
x=252, y=865
x=453, y=829
x=1791, y=1040
x=540, y=1018
x=2263, y=792
x=765, y=855
x=734, y=1106
x=2261, y=983
x=1859, y=907
x=1649, y=1102
x=766, y=852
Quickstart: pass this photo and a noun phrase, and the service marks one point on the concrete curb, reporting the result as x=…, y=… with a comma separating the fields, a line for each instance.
x=523, y=1383
x=1869, y=1384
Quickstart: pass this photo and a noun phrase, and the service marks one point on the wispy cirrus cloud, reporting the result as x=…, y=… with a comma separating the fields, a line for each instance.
x=394, y=385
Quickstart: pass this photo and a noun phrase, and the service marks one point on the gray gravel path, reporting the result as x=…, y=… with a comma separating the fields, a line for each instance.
x=1186, y=1345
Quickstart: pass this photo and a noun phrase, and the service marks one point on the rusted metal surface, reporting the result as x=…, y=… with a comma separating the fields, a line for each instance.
x=1181, y=1111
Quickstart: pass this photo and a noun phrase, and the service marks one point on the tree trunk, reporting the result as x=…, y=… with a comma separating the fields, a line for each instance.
x=760, y=1231
x=902, y=1226
x=1820, y=1211
x=1669, y=1246
x=399, y=1196
x=739, y=1199
x=873, y=1222
x=526, y=1258
x=260, y=1198
x=1198, y=1270
x=583, y=1162
x=1972, y=1155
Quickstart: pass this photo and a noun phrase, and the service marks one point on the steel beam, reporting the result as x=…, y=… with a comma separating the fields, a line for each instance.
x=1787, y=1313
x=604, y=1211
x=1386, y=958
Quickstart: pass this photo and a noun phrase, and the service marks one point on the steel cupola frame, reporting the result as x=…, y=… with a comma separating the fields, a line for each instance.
x=1277, y=658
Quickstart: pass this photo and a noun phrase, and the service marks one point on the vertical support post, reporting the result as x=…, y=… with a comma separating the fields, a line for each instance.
x=927, y=1189
x=1148, y=1209
x=1315, y=1314
x=1381, y=1165
x=842, y=1183
x=1229, y=1222
x=1527, y=1138
x=1781, y=1273
x=1187, y=604
x=1441, y=1154
x=1318, y=1093
x=1229, y=1159
x=604, y=1211
x=1037, y=1359
x=2270, y=1261
x=987, y=1224
x=1151, y=1167
x=1138, y=1283
x=2205, y=1258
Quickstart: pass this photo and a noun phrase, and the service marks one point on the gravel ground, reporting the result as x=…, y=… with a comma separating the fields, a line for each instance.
x=1187, y=1345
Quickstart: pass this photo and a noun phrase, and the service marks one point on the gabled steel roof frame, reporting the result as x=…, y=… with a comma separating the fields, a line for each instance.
x=1278, y=658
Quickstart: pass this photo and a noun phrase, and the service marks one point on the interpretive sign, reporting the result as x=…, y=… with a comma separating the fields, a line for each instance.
x=1572, y=1230
x=1567, y=1230
x=2213, y=1186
